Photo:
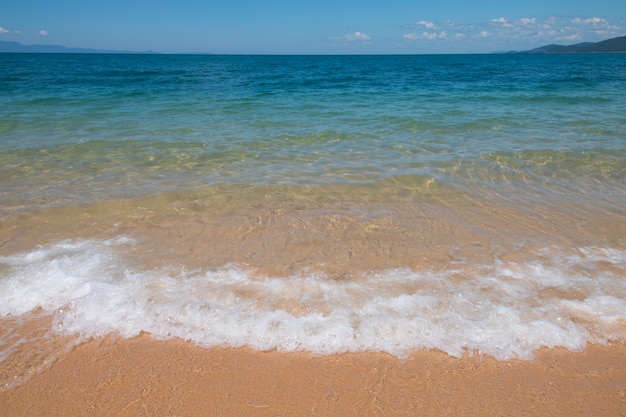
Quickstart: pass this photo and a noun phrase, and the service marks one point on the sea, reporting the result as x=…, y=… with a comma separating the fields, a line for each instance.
x=470, y=204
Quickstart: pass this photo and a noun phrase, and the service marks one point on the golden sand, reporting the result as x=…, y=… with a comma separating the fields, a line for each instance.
x=141, y=376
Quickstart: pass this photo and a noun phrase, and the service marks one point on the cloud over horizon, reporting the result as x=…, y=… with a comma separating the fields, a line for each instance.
x=446, y=31
x=5, y=30
x=353, y=37
x=524, y=31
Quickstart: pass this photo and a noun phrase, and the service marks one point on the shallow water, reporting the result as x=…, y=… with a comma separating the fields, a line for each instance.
x=328, y=204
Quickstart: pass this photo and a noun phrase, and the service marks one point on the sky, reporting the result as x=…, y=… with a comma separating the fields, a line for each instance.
x=311, y=26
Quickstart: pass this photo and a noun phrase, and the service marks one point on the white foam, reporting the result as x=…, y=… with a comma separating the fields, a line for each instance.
x=505, y=310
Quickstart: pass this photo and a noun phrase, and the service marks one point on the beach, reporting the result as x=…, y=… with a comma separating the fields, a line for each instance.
x=303, y=235
x=141, y=376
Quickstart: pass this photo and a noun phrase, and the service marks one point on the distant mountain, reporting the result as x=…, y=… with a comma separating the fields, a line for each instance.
x=17, y=47
x=614, y=45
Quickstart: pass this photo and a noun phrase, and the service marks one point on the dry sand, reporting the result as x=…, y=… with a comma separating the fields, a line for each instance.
x=141, y=376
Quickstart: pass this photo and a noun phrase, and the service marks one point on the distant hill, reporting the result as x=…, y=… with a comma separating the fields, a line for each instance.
x=614, y=45
x=17, y=47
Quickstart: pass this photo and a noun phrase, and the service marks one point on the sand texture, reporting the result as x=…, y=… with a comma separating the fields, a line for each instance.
x=141, y=376
x=144, y=377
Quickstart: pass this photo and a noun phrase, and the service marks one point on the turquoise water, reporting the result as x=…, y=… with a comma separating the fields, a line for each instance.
x=465, y=203
x=119, y=125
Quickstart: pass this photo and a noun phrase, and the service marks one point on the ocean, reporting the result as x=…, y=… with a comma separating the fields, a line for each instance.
x=472, y=204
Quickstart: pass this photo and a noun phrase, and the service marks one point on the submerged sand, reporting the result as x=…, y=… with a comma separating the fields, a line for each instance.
x=340, y=235
x=141, y=376
x=340, y=231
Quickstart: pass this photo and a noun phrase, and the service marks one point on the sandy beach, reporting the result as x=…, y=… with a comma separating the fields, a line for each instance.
x=141, y=376
x=114, y=376
x=312, y=236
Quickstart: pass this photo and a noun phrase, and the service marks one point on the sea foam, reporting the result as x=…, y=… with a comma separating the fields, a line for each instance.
x=505, y=310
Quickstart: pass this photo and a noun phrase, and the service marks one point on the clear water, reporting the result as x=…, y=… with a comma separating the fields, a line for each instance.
x=489, y=188
x=125, y=125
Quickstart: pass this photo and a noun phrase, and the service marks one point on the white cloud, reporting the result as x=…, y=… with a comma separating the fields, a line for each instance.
x=360, y=36
x=517, y=33
x=441, y=35
x=352, y=37
x=548, y=25
x=427, y=25
x=592, y=28
x=426, y=35
x=5, y=30
x=590, y=21
x=501, y=21
x=552, y=30
x=42, y=33
x=597, y=23
x=451, y=25
x=572, y=37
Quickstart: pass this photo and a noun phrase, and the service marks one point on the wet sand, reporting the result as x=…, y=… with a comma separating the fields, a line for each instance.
x=340, y=237
x=338, y=231
x=141, y=376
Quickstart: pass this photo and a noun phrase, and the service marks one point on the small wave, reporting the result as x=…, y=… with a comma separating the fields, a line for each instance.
x=505, y=310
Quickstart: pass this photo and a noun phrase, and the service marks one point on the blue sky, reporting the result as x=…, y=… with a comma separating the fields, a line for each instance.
x=311, y=27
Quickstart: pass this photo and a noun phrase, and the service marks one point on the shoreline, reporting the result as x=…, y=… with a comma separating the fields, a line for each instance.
x=129, y=377
x=326, y=247
x=158, y=215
